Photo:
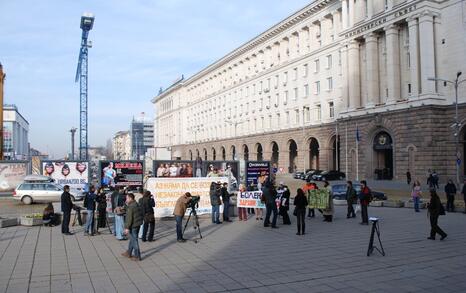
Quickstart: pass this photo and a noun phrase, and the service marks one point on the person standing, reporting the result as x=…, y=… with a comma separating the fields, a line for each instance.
x=450, y=191
x=226, y=202
x=364, y=199
x=270, y=194
x=89, y=204
x=133, y=222
x=307, y=187
x=283, y=193
x=300, y=203
x=351, y=198
x=463, y=192
x=113, y=197
x=435, y=209
x=101, y=209
x=242, y=212
x=328, y=212
x=120, y=211
x=408, y=177
x=416, y=194
x=435, y=179
x=147, y=205
x=66, y=206
x=215, y=202
x=180, y=209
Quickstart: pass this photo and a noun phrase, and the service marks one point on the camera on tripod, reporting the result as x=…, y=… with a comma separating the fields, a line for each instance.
x=194, y=203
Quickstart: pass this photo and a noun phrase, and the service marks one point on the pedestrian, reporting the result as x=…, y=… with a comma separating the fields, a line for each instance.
x=133, y=222
x=113, y=196
x=408, y=177
x=226, y=202
x=351, y=198
x=435, y=209
x=430, y=180
x=101, y=200
x=120, y=212
x=283, y=193
x=365, y=197
x=180, y=209
x=450, y=191
x=270, y=194
x=435, y=179
x=89, y=204
x=66, y=206
x=242, y=212
x=328, y=212
x=416, y=195
x=49, y=217
x=215, y=202
x=147, y=204
x=306, y=188
x=300, y=203
x=463, y=192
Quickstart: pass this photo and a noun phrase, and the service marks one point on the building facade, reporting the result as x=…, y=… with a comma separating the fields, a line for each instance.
x=15, y=134
x=340, y=84
x=121, y=146
x=142, y=136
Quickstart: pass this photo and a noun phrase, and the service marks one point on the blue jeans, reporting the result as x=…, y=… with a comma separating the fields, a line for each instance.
x=416, y=203
x=119, y=223
x=133, y=243
x=271, y=209
x=179, y=223
x=216, y=214
x=89, y=222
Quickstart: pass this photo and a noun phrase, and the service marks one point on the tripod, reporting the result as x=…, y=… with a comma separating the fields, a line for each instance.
x=195, y=221
x=77, y=216
x=375, y=230
x=106, y=222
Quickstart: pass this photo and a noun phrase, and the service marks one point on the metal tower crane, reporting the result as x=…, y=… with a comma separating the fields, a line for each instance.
x=87, y=22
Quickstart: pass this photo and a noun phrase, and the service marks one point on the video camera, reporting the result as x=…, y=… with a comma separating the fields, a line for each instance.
x=194, y=203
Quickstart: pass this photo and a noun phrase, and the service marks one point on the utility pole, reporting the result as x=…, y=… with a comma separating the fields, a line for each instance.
x=2, y=78
x=73, y=131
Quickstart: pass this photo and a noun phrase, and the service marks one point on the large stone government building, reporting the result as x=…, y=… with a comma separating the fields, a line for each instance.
x=300, y=93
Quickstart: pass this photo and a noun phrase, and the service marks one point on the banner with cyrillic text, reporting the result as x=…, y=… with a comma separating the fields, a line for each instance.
x=250, y=199
x=166, y=192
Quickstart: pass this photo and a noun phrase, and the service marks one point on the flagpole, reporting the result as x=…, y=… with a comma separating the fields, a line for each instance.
x=357, y=152
x=346, y=149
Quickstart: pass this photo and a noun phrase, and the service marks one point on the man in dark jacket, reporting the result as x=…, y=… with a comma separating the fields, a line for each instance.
x=147, y=205
x=283, y=194
x=226, y=202
x=90, y=208
x=215, y=202
x=132, y=223
x=270, y=194
x=351, y=198
x=435, y=210
x=450, y=191
x=364, y=198
x=66, y=206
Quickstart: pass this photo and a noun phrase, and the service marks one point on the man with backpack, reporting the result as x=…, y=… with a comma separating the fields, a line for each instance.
x=365, y=197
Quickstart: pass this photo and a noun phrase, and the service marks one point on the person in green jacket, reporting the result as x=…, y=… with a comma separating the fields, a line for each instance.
x=132, y=223
x=351, y=198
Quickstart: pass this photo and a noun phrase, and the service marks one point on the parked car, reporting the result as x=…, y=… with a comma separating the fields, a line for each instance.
x=329, y=175
x=298, y=174
x=310, y=175
x=37, y=188
x=339, y=192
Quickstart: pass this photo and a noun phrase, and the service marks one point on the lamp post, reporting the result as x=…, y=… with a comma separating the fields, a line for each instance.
x=73, y=131
x=304, y=156
x=456, y=125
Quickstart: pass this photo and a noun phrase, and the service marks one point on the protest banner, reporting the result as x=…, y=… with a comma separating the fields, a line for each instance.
x=72, y=173
x=318, y=198
x=250, y=199
x=12, y=174
x=166, y=192
x=122, y=173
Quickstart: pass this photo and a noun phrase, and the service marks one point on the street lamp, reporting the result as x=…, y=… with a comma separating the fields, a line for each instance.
x=304, y=111
x=456, y=125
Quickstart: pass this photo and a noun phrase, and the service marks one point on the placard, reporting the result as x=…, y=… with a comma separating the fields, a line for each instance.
x=257, y=171
x=250, y=199
x=318, y=198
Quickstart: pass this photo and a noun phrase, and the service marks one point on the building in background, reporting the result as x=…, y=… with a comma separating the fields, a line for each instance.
x=15, y=134
x=121, y=145
x=142, y=136
x=340, y=84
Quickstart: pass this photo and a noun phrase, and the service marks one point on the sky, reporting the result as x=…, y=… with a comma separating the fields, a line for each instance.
x=138, y=47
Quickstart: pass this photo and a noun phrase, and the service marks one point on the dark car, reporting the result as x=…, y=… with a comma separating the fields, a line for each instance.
x=310, y=175
x=339, y=192
x=298, y=174
x=329, y=175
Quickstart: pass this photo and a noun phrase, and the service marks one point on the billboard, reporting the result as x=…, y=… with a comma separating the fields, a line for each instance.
x=121, y=173
x=12, y=174
x=167, y=191
x=173, y=169
x=228, y=169
x=72, y=173
x=257, y=171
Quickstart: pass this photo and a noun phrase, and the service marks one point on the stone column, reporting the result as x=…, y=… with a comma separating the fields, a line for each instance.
x=413, y=55
x=354, y=84
x=303, y=39
x=426, y=46
x=372, y=63
x=336, y=24
x=344, y=14
x=370, y=8
x=344, y=75
x=351, y=13
x=393, y=63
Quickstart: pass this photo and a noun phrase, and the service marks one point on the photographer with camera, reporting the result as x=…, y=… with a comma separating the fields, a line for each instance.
x=180, y=209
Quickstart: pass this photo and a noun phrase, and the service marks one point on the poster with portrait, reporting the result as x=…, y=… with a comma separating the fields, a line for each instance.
x=12, y=174
x=121, y=173
x=72, y=173
x=227, y=169
x=257, y=172
x=173, y=169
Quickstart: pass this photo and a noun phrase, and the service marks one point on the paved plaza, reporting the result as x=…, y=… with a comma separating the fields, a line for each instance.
x=243, y=257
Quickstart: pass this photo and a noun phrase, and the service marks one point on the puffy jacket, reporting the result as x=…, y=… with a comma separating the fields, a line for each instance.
x=133, y=215
x=147, y=205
